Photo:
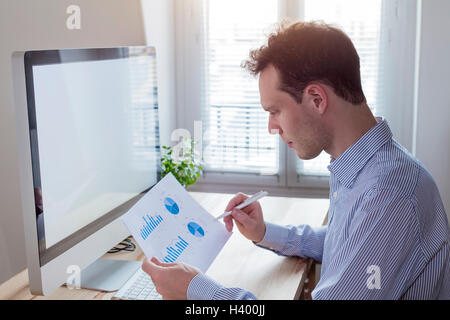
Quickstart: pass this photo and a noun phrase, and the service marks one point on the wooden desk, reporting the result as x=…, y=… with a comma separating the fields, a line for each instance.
x=239, y=264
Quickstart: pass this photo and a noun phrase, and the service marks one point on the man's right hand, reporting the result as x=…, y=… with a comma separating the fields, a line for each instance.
x=249, y=219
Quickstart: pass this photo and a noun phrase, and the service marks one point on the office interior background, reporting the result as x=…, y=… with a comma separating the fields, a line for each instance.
x=403, y=46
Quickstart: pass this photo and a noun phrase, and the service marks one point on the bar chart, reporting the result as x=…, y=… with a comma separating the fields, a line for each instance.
x=173, y=252
x=150, y=224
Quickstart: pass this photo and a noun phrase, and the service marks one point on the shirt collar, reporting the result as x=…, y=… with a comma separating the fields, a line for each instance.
x=347, y=166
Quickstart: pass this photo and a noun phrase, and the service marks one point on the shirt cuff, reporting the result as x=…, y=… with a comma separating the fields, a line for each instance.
x=202, y=287
x=275, y=238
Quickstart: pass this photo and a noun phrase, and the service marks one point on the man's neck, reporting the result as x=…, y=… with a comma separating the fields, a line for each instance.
x=350, y=124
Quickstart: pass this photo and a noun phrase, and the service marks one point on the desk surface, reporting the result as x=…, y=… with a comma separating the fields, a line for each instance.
x=239, y=264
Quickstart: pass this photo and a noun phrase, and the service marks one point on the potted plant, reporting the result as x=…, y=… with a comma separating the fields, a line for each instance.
x=184, y=166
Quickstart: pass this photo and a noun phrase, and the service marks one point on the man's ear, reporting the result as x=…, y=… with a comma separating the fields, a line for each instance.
x=317, y=96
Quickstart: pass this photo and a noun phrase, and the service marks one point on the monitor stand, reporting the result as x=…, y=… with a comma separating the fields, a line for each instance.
x=108, y=274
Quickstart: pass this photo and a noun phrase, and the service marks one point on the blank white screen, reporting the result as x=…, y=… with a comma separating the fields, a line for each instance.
x=96, y=131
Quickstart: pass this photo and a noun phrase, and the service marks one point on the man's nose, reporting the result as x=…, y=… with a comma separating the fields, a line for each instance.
x=274, y=128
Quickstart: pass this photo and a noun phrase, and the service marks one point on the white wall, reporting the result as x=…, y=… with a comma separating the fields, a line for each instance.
x=397, y=47
x=432, y=138
x=26, y=25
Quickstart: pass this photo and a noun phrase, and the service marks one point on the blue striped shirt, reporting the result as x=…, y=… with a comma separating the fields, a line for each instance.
x=387, y=235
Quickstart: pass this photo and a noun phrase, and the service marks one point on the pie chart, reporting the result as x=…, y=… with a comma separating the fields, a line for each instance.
x=171, y=206
x=195, y=229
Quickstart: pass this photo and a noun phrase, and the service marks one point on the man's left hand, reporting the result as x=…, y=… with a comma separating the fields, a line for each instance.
x=171, y=279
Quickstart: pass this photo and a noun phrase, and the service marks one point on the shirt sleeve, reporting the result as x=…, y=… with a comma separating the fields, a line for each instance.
x=202, y=287
x=379, y=254
x=303, y=240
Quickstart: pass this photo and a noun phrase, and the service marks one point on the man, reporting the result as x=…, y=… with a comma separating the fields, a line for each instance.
x=387, y=236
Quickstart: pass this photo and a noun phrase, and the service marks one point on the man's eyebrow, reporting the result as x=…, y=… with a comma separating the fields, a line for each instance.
x=269, y=108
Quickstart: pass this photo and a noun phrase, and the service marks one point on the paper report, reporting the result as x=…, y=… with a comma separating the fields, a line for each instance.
x=169, y=224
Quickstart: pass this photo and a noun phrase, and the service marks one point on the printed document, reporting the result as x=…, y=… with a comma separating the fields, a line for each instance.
x=169, y=224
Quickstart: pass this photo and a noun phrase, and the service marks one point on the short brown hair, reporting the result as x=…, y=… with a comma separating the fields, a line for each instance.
x=304, y=52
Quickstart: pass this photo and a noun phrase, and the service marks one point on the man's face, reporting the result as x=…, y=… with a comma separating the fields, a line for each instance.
x=297, y=124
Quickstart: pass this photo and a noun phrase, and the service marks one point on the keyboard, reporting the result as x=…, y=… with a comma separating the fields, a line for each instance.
x=139, y=287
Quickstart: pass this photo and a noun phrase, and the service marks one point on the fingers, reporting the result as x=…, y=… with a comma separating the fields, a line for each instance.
x=150, y=267
x=161, y=264
x=153, y=265
x=237, y=199
x=228, y=223
x=240, y=217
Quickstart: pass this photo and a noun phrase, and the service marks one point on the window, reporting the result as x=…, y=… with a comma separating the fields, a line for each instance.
x=143, y=111
x=215, y=37
x=236, y=136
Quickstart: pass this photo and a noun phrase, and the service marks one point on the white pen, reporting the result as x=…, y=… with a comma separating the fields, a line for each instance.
x=248, y=201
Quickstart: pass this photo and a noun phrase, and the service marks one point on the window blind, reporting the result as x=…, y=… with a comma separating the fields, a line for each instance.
x=235, y=126
x=361, y=21
x=143, y=110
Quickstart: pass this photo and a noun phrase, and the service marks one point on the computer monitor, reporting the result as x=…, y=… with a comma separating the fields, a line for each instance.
x=88, y=141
